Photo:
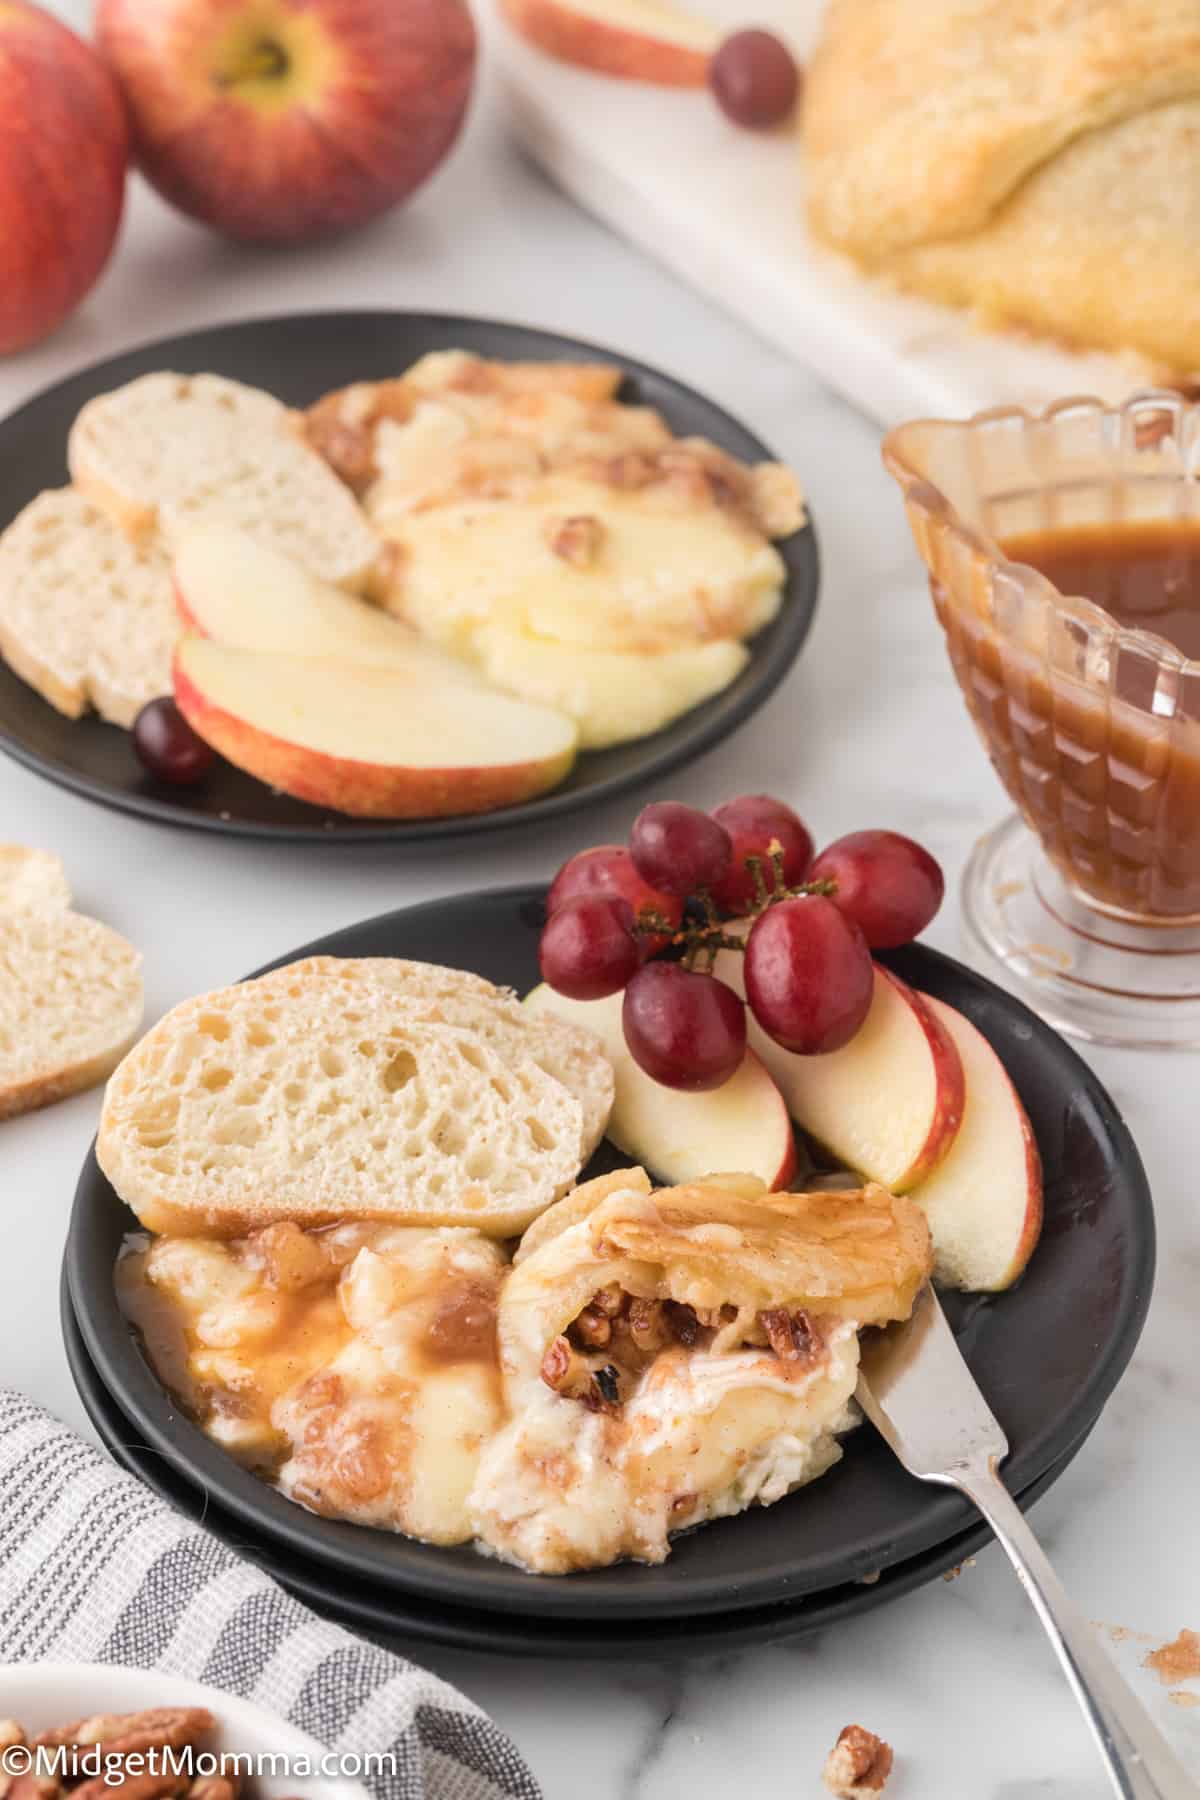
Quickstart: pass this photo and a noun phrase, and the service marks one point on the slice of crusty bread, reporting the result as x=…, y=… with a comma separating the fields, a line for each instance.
x=86, y=617
x=570, y=1053
x=169, y=451
x=70, y=1005
x=275, y=1100
x=32, y=879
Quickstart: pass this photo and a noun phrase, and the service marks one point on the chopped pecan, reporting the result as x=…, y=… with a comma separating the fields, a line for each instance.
x=145, y=1785
x=631, y=470
x=30, y=1785
x=576, y=539
x=592, y=1329
x=212, y=1787
x=858, y=1766
x=648, y=1326
x=158, y=1728
x=790, y=1335
x=611, y=1300
x=682, y=1323
x=556, y=1364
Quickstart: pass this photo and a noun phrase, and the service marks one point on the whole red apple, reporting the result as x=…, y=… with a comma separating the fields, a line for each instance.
x=279, y=120
x=64, y=147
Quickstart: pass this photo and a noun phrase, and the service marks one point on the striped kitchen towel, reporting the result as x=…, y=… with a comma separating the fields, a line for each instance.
x=93, y=1568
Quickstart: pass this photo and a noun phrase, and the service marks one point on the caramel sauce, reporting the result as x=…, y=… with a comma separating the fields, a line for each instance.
x=1109, y=782
x=1146, y=573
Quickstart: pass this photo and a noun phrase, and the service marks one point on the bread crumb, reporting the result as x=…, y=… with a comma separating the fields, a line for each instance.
x=954, y=1573
x=858, y=1766
x=1177, y=1661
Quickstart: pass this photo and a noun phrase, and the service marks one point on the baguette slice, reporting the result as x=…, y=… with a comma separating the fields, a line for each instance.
x=70, y=1006
x=569, y=1053
x=297, y=1100
x=169, y=451
x=32, y=879
x=86, y=617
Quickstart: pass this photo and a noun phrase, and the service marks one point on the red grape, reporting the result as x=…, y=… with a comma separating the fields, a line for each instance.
x=752, y=821
x=886, y=883
x=754, y=78
x=168, y=747
x=608, y=869
x=588, y=949
x=678, y=849
x=685, y=1030
x=808, y=974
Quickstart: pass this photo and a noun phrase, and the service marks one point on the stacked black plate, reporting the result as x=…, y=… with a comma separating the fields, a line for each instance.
x=1047, y=1354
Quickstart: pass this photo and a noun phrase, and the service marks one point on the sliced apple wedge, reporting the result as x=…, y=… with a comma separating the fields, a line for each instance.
x=418, y=740
x=230, y=587
x=742, y=1126
x=636, y=40
x=984, y=1200
x=888, y=1105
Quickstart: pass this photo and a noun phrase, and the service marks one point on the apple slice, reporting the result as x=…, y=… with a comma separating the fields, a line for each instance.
x=888, y=1105
x=420, y=740
x=635, y=40
x=742, y=1126
x=984, y=1200
x=230, y=587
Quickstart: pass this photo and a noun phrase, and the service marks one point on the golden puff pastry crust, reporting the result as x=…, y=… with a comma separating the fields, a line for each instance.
x=1037, y=163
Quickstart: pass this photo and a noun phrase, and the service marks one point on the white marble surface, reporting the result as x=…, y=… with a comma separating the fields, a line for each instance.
x=868, y=729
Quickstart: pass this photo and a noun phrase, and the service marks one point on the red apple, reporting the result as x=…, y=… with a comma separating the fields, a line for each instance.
x=64, y=146
x=279, y=120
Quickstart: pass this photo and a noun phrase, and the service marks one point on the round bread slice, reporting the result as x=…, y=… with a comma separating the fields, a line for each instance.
x=570, y=1053
x=70, y=1005
x=309, y=1101
x=32, y=878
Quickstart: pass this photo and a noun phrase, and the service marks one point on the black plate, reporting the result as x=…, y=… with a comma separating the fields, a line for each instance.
x=298, y=358
x=358, y=1605
x=1047, y=1354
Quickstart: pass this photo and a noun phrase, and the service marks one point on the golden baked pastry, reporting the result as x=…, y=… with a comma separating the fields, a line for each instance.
x=1037, y=163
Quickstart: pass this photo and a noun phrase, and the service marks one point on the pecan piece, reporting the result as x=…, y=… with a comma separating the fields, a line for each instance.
x=213, y=1787
x=682, y=1323
x=158, y=1728
x=30, y=1785
x=648, y=1326
x=790, y=1335
x=577, y=539
x=146, y=1785
x=858, y=1766
x=592, y=1328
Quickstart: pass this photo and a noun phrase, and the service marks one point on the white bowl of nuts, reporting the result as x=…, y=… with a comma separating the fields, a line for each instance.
x=93, y=1731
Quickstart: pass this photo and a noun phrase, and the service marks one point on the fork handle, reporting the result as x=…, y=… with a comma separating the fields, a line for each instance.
x=1140, y=1763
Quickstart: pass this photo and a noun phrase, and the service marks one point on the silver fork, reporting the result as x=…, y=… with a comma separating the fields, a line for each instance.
x=916, y=1389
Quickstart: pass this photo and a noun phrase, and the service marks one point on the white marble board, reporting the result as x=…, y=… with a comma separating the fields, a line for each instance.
x=724, y=209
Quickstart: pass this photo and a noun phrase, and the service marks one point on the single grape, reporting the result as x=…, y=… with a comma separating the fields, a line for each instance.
x=808, y=975
x=684, y=1029
x=167, y=746
x=588, y=949
x=608, y=869
x=753, y=821
x=678, y=849
x=755, y=79
x=886, y=883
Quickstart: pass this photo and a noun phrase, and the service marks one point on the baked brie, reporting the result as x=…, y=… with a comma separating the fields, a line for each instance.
x=674, y=1357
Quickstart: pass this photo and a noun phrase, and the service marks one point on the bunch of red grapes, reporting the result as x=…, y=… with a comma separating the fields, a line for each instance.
x=652, y=918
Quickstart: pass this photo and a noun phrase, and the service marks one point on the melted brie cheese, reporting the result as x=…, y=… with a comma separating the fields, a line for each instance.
x=702, y=1436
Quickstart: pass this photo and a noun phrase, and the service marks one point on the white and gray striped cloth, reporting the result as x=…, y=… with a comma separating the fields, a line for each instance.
x=93, y=1568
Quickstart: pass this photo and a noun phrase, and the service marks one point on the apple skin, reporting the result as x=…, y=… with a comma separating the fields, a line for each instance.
x=361, y=789
x=607, y=47
x=992, y=1150
x=349, y=106
x=951, y=1086
x=64, y=150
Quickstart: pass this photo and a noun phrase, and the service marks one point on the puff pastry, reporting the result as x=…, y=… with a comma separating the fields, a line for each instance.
x=1039, y=163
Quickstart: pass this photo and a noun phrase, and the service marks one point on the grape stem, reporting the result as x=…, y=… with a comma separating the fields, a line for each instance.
x=704, y=941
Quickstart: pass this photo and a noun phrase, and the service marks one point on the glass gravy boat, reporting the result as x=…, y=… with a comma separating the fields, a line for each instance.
x=1090, y=895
